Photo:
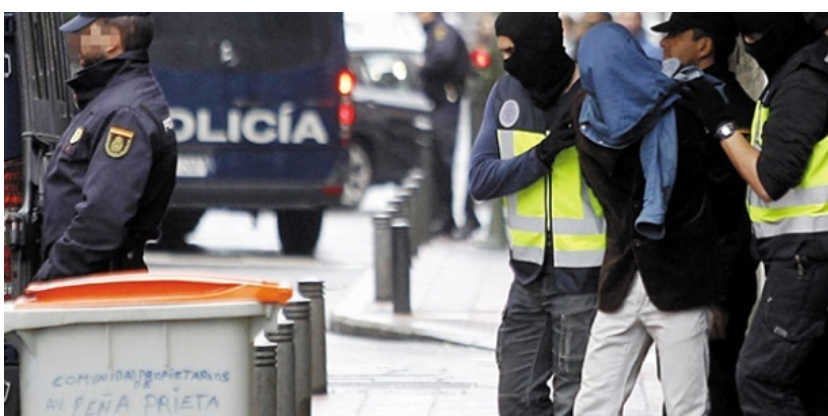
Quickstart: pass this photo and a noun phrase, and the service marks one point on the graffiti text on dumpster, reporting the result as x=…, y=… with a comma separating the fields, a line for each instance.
x=170, y=403
x=137, y=391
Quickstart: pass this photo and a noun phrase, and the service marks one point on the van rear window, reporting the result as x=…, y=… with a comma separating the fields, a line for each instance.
x=250, y=42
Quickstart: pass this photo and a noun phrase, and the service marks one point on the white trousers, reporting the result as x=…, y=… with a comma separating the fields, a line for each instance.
x=618, y=343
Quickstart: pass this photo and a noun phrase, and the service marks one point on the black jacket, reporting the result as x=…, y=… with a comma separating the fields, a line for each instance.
x=798, y=100
x=109, y=181
x=681, y=271
x=446, y=62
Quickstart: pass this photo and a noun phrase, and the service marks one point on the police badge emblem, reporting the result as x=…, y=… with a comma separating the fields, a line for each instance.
x=118, y=141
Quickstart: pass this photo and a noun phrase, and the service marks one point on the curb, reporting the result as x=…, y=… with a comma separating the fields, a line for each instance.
x=360, y=315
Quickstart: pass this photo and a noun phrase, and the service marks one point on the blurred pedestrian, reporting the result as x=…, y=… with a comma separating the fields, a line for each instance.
x=662, y=268
x=587, y=21
x=706, y=40
x=632, y=21
x=524, y=154
x=444, y=75
x=107, y=186
x=786, y=167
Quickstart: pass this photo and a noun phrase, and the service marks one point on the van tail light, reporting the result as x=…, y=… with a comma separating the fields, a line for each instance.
x=346, y=82
x=347, y=112
x=12, y=201
x=481, y=58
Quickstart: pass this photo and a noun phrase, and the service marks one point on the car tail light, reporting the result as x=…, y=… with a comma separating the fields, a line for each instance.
x=12, y=201
x=481, y=58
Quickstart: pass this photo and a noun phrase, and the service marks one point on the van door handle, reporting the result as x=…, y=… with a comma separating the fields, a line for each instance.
x=246, y=103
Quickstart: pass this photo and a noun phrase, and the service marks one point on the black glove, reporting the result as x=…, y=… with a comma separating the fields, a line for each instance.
x=707, y=102
x=558, y=140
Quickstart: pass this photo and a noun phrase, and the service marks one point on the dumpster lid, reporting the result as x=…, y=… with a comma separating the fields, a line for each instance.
x=129, y=289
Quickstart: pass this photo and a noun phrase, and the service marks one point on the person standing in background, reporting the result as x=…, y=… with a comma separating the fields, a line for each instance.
x=632, y=21
x=444, y=75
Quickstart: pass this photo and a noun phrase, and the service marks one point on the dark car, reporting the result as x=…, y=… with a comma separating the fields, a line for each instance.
x=391, y=113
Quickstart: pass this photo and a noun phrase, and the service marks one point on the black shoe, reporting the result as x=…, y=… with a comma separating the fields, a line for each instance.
x=443, y=228
x=467, y=230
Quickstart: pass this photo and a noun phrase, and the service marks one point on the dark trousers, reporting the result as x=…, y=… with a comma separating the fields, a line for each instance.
x=444, y=118
x=774, y=374
x=542, y=335
x=740, y=286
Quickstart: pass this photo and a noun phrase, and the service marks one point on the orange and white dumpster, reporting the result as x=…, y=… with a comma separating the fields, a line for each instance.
x=127, y=344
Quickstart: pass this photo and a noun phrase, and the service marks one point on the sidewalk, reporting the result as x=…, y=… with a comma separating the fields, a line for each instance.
x=458, y=291
x=457, y=294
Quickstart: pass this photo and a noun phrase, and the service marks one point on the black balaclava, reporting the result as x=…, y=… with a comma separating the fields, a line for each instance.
x=539, y=60
x=783, y=34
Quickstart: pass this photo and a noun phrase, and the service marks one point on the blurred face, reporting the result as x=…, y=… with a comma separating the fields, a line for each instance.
x=683, y=47
x=95, y=43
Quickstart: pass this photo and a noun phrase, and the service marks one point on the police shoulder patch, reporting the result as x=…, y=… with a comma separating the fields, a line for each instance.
x=509, y=114
x=118, y=142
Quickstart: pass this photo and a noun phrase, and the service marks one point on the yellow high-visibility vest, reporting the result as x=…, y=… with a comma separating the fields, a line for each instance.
x=803, y=209
x=561, y=200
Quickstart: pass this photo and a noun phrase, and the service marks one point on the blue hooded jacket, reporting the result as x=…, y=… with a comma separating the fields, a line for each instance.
x=629, y=97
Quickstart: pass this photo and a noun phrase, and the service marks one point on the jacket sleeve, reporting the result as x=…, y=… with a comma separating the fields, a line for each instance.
x=490, y=176
x=114, y=183
x=792, y=131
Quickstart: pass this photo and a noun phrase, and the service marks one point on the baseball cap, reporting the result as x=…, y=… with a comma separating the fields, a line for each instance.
x=84, y=19
x=718, y=23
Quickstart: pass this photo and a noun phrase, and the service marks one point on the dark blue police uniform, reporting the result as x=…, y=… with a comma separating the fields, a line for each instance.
x=109, y=181
x=444, y=75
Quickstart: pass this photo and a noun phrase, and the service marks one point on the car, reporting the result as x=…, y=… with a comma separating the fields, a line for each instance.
x=392, y=112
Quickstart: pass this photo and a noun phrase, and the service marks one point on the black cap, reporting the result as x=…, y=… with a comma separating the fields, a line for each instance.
x=84, y=19
x=714, y=23
x=819, y=20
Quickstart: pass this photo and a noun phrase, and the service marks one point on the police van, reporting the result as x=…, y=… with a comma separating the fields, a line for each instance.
x=262, y=112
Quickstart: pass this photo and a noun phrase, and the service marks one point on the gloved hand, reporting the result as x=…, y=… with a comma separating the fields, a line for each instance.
x=558, y=140
x=707, y=102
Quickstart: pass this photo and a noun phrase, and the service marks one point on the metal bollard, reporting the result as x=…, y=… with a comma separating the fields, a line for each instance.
x=285, y=369
x=382, y=256
x=264, y=380
x=401, y=260
x=426, y=156
x=298, y=310
x=421, y=210
x=415, y=218
x=315, y=291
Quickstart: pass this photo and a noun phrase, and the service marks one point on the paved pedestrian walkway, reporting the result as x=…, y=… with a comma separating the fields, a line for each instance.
x=458, y=290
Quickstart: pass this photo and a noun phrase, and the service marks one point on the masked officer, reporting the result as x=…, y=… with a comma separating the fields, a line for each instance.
x=707, y=40
x=444, y=76
x=109, y=181
x=786, y=167
x=525, y=154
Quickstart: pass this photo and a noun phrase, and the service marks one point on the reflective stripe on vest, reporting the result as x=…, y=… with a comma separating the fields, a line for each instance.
x=803, y=209
x=578, y=227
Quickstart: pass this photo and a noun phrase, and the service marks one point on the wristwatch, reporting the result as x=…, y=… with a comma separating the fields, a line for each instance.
x=725, y=130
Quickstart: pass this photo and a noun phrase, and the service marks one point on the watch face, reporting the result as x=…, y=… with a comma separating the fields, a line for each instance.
x=726, y=130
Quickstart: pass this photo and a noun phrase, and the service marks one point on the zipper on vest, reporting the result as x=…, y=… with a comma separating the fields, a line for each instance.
x=547, y=200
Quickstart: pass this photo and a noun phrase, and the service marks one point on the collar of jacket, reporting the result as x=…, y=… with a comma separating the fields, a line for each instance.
x=89, y=82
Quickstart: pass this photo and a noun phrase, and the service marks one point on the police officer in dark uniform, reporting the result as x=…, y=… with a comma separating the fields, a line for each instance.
x=109, y=181
x=444, y=75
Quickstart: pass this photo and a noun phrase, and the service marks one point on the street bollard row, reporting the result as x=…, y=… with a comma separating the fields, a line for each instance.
x=292, y=364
